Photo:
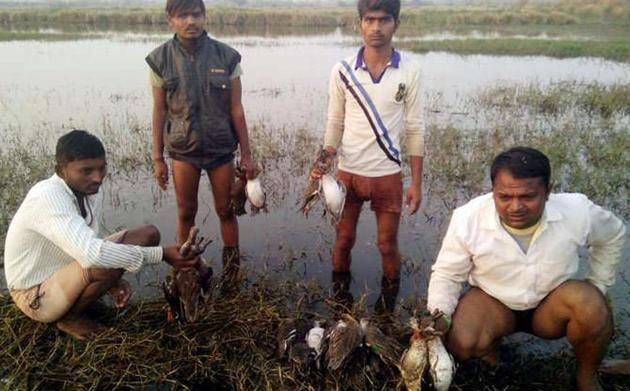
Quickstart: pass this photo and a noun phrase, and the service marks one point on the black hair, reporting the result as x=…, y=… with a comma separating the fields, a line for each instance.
x=174, y=7
x=522, y=162
x=77, y=145
x=392, y=7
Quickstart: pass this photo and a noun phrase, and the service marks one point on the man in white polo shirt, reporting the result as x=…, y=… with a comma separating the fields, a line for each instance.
x=55, y=264
x=517, y=248
x=374, y=102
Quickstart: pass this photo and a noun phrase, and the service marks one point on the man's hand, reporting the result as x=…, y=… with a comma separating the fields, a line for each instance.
x=160, y=172
x=323, y=163
x=413, y=199
x=249, y=167
x=172, y=256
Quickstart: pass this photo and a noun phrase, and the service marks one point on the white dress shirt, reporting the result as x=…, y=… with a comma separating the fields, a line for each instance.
x=479, y=250
x=48, y=232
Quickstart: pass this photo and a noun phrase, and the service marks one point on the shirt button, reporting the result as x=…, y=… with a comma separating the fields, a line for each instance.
x=224, y=86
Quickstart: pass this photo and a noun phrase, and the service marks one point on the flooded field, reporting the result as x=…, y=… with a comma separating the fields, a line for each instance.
x=576, y=110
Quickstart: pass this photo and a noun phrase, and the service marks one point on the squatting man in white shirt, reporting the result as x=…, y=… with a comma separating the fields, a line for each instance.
x=517, y=248
x=56, y=266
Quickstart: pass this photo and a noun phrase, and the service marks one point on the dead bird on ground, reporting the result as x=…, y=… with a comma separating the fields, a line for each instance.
x=185, y=289
x=291, y=340
x=427, y=357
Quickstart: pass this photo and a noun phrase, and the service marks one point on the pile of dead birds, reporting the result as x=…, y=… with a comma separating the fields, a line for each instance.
x=238, y=341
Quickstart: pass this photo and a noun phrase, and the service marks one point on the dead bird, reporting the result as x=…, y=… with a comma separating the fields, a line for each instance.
x=291, y=340
x=334, y=196
x=427, y=357
x=256, y=195
x=324, y=163
x=315, y=341
x=384, y=346
x=343, y=338
x=185, y=289
x=238, y=196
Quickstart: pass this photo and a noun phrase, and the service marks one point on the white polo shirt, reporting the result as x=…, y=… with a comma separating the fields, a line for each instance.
x=368, y=119
x=479, y=250
x=48, y=232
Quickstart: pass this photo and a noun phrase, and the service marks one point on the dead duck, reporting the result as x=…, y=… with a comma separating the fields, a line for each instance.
x=343, y=338
x=256, y=195
x=238, y=196
x=427, y=356
x=324, y=163
x=291, y=340
x=384, y=346
x=185, y=289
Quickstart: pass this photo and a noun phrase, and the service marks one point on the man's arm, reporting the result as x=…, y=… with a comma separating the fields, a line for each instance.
x=451, y=268
x=237, y=113
x=59, y=222
x=160, y=170
x=605, y=242
x=336, y=111
x=414, y=136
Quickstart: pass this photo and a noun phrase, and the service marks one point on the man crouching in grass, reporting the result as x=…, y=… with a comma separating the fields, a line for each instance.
x=56, y=266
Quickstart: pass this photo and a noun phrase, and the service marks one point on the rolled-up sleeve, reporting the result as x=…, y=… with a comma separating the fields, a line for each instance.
x=605, y=242
x=451, y=268
x=68, y=231
x=336, y=110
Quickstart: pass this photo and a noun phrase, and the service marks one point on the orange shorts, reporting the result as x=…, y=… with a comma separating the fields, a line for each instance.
x=383, y=192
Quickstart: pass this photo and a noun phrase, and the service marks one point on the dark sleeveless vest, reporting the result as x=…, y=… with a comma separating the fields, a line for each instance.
x=198, y=89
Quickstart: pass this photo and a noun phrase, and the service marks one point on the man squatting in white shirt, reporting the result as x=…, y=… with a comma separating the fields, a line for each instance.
x=374, y=103
x=517, y=247
x=55, y=264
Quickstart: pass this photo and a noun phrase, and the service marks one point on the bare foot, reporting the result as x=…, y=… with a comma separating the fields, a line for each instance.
x=80, y=327
x=120, y=293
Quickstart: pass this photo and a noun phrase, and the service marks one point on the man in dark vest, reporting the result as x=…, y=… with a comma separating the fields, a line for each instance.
x=198, y=116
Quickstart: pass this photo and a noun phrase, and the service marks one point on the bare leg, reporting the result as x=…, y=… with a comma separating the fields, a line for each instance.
x=100, y=281
x=221, y=179
x=346, y=236
x=577, y=310
x=186, y=181
x=388, y=243
x=75, y=322
x=479, y=323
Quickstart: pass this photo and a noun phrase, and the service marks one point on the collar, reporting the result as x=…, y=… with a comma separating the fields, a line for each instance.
x=56, y=178
x=490, y=218
x=394, y=60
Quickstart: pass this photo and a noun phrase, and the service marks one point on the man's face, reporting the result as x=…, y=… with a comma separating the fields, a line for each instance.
x=188, y=24
x=377, y=28
x=84, y=176
x=519, y=202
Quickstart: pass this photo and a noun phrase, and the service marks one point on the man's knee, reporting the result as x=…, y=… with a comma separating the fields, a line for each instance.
x=345, y=240
x=225, y=212
x=388, y=247
x=187, y=210
x=583, y=300
x=151, y=235
x=462, y=345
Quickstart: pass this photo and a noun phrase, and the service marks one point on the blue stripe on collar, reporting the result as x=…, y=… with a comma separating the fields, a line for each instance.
x=394, y=60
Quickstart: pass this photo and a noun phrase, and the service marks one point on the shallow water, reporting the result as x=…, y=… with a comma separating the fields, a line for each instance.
x=101, y=84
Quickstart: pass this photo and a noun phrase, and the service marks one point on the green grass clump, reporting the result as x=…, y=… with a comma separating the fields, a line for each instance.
x=613, y=50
